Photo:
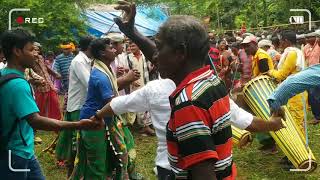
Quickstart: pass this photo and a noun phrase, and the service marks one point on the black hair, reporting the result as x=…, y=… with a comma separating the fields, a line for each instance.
x=16, y=38
x=231, y=39
x=213, y=41
x=98, y=45
x=235, y=45
x=275, y=40
x=289, y=35
x=85, y=42
x=187, y=34
x=50, y=53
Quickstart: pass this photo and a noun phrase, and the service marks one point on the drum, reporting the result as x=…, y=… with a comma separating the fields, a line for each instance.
x=241, y=138
x=291, y=142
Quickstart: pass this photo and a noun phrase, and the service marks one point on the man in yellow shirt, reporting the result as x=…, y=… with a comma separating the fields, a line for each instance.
x=261, y=61
x=261, y=64
x=291, y=62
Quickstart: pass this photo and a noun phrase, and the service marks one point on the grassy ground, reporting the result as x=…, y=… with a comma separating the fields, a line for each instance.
x=251, y=164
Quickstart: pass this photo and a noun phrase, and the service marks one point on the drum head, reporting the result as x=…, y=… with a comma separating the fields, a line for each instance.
x=305, y=165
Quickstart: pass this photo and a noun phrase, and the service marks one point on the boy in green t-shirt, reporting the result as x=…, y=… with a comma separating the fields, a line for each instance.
x=19, y=112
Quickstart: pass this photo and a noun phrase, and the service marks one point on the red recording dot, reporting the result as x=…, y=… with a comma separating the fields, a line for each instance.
x=19, y=20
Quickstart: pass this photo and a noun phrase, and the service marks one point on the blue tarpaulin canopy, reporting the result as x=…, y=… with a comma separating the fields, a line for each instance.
x=148, y=20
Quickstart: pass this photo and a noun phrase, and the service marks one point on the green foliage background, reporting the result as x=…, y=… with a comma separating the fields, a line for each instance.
x=62, y=20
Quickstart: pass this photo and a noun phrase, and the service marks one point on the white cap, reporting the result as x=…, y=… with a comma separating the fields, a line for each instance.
x=264, y=42
x=116, y=37
x=37, y=44
x=239, y=39
x=301, y=36
x=249, y=39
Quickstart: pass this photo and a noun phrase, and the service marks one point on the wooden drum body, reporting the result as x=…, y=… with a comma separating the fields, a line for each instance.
x=289, y=139
x=241, y=138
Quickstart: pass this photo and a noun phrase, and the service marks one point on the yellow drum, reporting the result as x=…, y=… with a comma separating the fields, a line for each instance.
x=241, y=138
x=291, y=142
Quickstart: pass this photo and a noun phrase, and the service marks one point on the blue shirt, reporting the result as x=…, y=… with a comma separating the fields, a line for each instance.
x=99, y=93
x=17, y=102
x=295, y=84
x=61, y=65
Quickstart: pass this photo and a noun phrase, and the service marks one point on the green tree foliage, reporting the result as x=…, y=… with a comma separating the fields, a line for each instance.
x=230, y=14
x=62, y=20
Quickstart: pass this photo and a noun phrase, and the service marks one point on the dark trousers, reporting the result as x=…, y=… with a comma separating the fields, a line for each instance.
x=165, y=174
x=314, y=101
x=18, y=162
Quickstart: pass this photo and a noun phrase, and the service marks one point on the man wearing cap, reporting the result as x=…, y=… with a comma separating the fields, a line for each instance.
x=121, y=66
x=312, y=55
x=291, y=62
x=79, y=74
x=266, y=45
x=261, y=64
x=261, y=61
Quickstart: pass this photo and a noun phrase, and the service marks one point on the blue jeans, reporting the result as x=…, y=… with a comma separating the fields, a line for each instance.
x=314, y=101
x=18, y=162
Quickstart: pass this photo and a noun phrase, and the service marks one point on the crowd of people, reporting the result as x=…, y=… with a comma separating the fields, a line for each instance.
x=179, y=86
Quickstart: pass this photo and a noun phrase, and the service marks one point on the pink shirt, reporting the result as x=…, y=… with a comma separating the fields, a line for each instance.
x=312, y=54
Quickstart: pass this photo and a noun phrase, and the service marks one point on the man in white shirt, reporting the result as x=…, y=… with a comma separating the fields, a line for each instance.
x=120, y=66
x=154, y=97
x=139, y=62
x=79, y=74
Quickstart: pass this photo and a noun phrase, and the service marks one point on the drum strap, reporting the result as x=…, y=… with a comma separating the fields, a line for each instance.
x=212, y=64
x=305, y=121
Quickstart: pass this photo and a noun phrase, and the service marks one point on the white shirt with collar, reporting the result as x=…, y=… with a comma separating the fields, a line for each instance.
x=78, y=81
x=154, y=97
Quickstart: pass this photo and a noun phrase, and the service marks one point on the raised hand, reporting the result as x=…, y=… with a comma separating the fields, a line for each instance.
x=126, y=24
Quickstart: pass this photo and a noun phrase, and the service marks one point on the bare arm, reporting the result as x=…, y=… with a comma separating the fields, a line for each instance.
x=259, y=125
x=203, y=170
x=126, y=25
x=48, y=124
x=105, y=111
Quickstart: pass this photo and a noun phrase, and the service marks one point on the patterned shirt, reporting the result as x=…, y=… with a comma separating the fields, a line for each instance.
x=295, y=84
x=41, y=69
x=246, y=66
x=62, y=65
x=312, y=54
x=199, y=127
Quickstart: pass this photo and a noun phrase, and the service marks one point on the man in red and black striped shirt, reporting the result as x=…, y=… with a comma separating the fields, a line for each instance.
x=199, y=131
x=199, y=128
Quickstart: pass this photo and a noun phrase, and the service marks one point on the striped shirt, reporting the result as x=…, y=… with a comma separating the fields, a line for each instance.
x=295, y=84
x=61, y=65
x=199, y=126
